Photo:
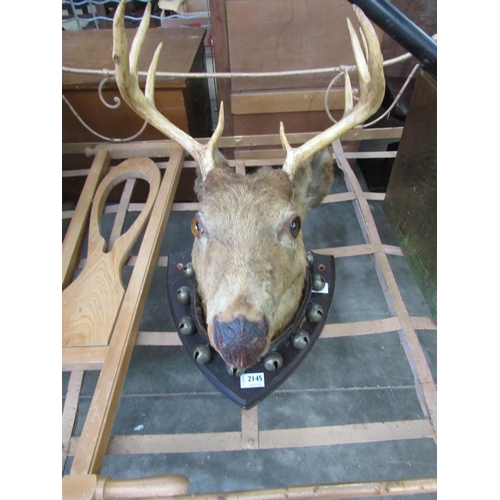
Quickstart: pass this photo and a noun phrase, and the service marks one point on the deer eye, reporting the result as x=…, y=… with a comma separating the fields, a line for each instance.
x=295, y=226
x=196, y=227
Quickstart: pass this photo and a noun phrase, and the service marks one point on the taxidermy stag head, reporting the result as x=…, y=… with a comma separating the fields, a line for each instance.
x=248, y=255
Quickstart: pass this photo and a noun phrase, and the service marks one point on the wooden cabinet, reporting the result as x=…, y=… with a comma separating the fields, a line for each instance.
x=259, y=35
x=183, y=101
x=282, y=35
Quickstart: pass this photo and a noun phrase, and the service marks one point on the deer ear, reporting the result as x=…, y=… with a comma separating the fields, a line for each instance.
x=314, y=178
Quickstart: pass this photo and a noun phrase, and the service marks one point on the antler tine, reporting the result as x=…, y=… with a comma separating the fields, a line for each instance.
x=127, y=80
x=371, y=94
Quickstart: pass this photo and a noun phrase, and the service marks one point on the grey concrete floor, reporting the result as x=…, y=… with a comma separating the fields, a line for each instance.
x=344, y=380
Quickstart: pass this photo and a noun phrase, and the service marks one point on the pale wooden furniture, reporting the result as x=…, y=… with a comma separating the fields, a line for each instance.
x=91, y=343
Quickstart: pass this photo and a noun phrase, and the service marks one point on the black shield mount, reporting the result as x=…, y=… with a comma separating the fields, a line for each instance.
x=286, y=352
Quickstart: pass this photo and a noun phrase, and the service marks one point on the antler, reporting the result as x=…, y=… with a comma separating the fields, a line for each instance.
x=371, y=94
x=143, y=104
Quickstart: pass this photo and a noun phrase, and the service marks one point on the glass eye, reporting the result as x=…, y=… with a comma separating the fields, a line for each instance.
x=195, y=226
x=295, y=226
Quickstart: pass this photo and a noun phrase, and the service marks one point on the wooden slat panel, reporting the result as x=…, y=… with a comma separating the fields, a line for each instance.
x=269, y=439
x=163, y=148
x=95, y=435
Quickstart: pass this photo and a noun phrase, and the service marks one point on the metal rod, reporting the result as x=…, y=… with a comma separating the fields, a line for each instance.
x=403, y=30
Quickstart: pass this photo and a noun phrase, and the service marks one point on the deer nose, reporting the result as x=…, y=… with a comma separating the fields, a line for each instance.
x=240, y=342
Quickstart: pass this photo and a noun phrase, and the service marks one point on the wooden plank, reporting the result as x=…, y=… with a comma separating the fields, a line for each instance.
x=163, y=148
x=374, y=196
x=83, y=172
x=360, y=328
x=75, y=234
x=183, y=207
x=423, y=323
x=149, y=149
x=354, y=250
x=345, y=434
x=83, y=358
x=337, y=197
x=250, y=429
x=301, y=137
x=270, y=157
x=335, y=435
x=250, y=103
x=158, y=338
x=69, y=411
x=96, y=432
x=175, y=443
x=371, y=154
x=330, y=330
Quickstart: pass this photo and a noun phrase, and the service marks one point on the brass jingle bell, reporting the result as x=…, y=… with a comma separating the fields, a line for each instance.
x=235, y=372
x=300, y=339
x=310, y=257
x=202, y=354
x=273, y=361
x=184, y=295
x=186, y=326
x=318, y=282
x=314, y=313
x=188, y=270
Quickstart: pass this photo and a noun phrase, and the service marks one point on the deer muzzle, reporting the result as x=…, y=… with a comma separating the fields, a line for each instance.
x=240, y=342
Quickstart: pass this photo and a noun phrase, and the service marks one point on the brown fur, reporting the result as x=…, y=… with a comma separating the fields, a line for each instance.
x=246, y=261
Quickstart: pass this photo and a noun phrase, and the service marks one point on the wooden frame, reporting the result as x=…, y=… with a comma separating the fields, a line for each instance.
x=112, y=360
